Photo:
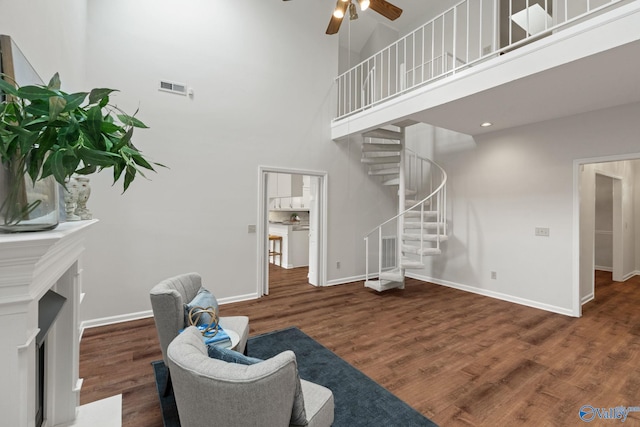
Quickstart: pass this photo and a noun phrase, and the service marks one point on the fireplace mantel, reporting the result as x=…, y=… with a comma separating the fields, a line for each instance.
x=30, y=265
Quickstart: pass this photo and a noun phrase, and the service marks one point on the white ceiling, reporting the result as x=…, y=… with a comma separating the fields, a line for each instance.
x=354, y=34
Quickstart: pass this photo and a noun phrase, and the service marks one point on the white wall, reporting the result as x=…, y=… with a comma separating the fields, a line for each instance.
x=50, y=34
x=262, y=75
x=503, y=185
x=636, y=209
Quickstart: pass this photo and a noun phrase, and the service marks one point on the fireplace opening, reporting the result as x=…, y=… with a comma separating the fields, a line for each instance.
x=40, y=359
x=49, y=307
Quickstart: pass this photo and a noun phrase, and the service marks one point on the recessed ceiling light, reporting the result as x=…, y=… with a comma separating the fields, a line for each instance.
x=486, y=124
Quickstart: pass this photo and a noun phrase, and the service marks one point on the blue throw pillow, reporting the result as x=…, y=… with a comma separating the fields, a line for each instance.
x=203, y=299
x=231, y=356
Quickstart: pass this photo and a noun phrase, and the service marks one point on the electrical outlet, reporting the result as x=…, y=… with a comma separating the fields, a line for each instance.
x=338, y=265
x=494, y=275
x=542, y=231
x=251, y=228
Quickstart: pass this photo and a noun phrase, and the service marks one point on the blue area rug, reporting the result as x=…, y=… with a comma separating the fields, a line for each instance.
x=167, y=400
x=359, y=401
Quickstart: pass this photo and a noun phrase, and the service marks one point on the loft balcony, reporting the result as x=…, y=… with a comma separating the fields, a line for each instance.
x=508, y=62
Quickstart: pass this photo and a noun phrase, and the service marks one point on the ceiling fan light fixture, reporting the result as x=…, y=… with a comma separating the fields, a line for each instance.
x=364, y=4
x=353, y=13
x=339, y=11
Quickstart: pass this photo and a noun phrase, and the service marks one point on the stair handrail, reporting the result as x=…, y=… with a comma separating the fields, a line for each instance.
x=433, y=193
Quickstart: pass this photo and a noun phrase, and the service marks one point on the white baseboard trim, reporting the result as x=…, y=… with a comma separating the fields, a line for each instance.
x=104, y=321
x=624, y=278
x=493, y=294
x=585, y=299
x=238, y=298
x=345, y=280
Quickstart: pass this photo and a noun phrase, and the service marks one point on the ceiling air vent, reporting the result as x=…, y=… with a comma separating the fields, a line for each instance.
x=173, y=87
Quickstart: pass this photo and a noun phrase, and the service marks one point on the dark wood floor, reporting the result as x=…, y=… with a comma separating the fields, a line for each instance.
x=458, y=358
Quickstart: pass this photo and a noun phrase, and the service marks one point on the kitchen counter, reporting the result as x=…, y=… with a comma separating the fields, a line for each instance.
x=290, y=209
x=295, y=244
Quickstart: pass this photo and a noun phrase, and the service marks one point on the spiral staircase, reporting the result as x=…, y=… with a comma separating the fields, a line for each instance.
x=417, y=231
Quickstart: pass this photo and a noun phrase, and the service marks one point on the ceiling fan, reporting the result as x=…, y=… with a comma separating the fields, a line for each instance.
x=383, y=7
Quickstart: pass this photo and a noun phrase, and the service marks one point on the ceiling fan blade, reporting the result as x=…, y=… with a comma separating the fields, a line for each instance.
x=386, y=9
x=334, y=23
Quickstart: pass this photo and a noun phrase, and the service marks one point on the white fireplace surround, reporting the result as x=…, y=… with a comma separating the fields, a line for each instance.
x=30, y=265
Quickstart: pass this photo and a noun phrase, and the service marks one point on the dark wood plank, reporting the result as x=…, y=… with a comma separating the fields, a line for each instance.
x=458, y=358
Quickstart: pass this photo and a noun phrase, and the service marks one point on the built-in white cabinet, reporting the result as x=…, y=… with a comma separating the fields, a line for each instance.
x=286, y=191
x=284, y=185
x=306, y=191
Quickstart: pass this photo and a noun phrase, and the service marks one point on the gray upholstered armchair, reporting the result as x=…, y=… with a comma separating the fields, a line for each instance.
x=209, y=391
x=167, y=301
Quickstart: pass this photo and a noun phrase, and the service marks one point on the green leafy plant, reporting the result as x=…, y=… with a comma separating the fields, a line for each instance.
x=45, y=131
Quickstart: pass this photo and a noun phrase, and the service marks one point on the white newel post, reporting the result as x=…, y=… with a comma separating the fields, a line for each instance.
x=30, y=265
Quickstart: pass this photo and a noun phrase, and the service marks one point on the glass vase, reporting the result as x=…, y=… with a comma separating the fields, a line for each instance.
x=25, y=205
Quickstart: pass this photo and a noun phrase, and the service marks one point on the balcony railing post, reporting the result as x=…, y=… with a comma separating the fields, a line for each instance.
x=510, y=21
x=379, y=252
x=468, y=41
x=481, y=19
x=455, y=39
x=421, y=231
x=366, y=259
x=496, y=20
x=401, y=197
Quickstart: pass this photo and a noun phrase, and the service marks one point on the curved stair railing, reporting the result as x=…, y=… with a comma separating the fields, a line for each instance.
x=404, y=240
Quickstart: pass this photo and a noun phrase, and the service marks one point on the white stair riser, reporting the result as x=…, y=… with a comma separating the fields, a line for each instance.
x=416, y=214
x=411, y=264
x=408, y=203
x=383, y=285
x=393, y=181
x=425, y=237
x=407, y=249
x=376, y=148
x=390, y=171
x=383, y=134
x=395, y=160
x=425, y=225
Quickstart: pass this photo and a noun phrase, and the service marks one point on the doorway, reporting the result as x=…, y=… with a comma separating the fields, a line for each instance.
x=608, y=249
x=606, y=191
x=310, y=210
